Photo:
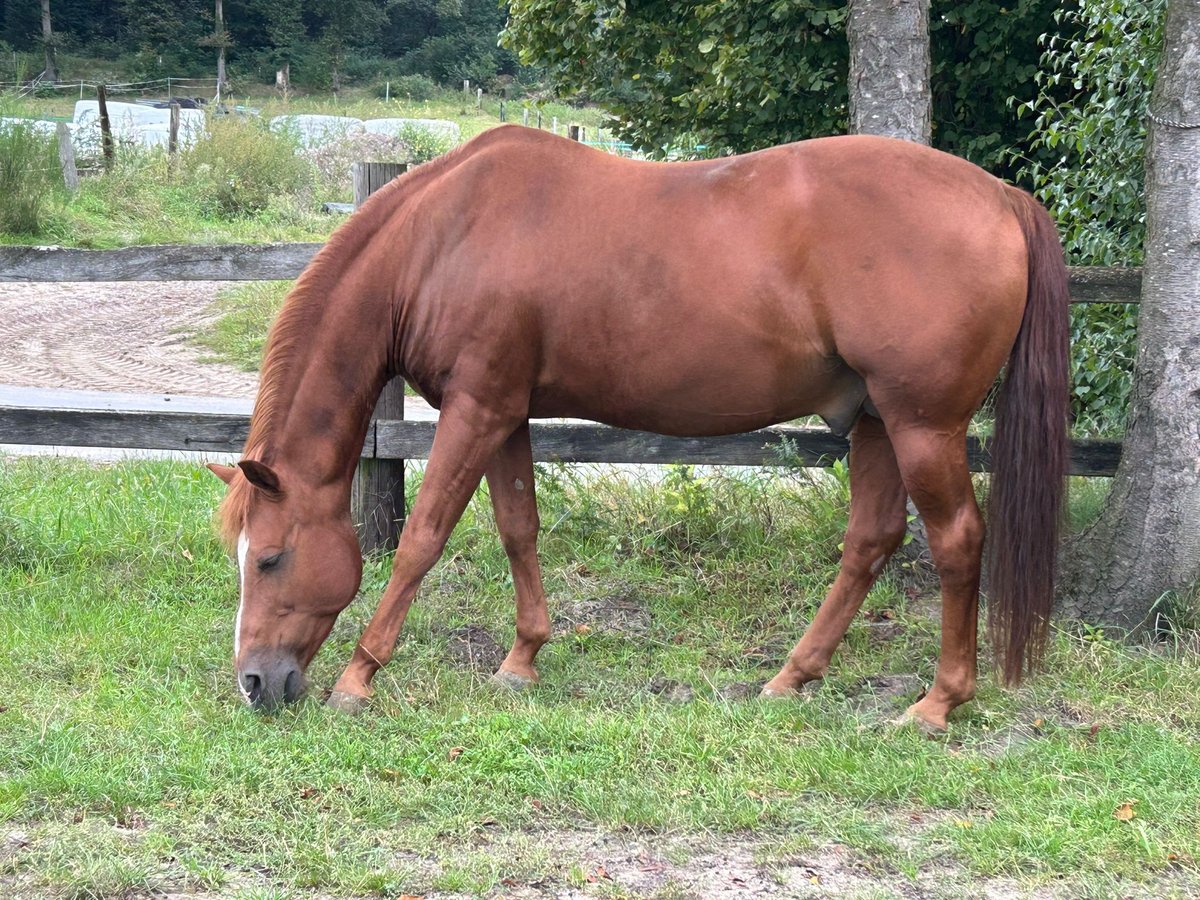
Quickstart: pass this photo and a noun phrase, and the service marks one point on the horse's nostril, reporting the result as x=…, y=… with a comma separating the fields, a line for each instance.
x=293, y=687
x=252, y=687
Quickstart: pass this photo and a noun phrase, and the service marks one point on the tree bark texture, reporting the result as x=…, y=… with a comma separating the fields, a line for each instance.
x=48, y=41
x=1144, y=550
x=889, y=68
x=219, y=17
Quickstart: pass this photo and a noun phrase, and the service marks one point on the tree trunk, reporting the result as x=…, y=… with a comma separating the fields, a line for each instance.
x=889, y=68
x=219, y=17
x=48, y=40
x=1144, y=550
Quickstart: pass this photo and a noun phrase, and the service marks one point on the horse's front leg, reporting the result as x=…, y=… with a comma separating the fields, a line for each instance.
x=510, y=483
x=468, y=435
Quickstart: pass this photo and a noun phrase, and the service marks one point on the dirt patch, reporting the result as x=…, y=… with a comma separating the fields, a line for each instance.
x=623, y=612
x=672, y=691
x=128, y=336
x=473, y=647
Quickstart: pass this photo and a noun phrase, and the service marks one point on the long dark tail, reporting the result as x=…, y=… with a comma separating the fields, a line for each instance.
x=1029, y=455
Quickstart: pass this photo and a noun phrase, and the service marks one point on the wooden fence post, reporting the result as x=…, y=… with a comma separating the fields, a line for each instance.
x=573, y=132
x=106, y=139
x=66, y=157
x=173, y=132
x=377, y=495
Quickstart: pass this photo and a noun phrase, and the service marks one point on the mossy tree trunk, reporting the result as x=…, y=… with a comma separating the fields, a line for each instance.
x=1143, y=553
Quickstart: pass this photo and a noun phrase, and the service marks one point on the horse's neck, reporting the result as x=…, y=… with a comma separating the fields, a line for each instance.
x=337, y=368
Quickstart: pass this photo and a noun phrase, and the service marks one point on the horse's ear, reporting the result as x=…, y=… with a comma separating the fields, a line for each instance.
x=225, y=473
x=261, y=476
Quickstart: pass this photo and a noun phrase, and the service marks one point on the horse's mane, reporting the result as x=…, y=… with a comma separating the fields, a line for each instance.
x=301, y=315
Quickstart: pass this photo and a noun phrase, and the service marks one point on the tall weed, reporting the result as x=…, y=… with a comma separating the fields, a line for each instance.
x=237, y=167
x=30, y=178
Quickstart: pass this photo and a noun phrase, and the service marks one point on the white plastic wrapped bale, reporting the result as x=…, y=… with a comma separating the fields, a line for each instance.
x=314, y=131
x=393, y=127
x=133, y=123
x=38, y=126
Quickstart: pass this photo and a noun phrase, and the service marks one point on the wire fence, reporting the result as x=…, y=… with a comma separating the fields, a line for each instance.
x=170, y=85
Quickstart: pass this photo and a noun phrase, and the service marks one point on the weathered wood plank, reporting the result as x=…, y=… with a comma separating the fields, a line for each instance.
x=220, y=425
x=268, y=262
x=233, y=262
x=212, y=432
x=593, y=443
x=1106, y=284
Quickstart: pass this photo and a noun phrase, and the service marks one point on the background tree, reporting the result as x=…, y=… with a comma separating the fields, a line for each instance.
x=1143, y=552
x=51, y=71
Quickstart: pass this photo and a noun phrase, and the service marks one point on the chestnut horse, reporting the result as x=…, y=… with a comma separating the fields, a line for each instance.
x=879, y=284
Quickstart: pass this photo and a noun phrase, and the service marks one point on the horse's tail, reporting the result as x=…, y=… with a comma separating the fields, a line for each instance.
x=1029, y=454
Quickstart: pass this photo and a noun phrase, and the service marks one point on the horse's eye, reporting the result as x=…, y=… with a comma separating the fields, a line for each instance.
x=269, y=562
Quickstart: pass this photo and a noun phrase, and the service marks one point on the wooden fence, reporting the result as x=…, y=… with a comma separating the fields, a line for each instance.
x=30, y=416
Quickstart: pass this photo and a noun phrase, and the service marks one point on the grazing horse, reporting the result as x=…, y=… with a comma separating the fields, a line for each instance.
x=879, y=284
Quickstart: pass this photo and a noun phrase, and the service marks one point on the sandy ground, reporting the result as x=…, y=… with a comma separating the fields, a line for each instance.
x=129, y=337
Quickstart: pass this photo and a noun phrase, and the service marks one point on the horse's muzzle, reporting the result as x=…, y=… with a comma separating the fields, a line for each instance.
x=269, y=683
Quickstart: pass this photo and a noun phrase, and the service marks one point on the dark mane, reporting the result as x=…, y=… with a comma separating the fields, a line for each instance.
x=301, y=314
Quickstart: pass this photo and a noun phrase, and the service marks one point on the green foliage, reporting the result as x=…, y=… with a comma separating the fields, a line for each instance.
x=736, y=76
x=983, y=53
x=423, y=143
x=30, y=178
x=407, y=87
x=1093, y=181
x=236, y=168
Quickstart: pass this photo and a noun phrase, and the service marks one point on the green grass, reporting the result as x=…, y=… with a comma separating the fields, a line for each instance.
x=129, y=763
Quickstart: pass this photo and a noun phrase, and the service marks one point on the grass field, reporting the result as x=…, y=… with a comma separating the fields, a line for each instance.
x=128, y=764
x=143, y=200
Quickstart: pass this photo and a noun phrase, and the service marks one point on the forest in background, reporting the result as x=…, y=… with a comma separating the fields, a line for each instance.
x=326, y=44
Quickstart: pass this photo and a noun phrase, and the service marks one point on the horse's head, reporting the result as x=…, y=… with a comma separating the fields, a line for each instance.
x=299, y=566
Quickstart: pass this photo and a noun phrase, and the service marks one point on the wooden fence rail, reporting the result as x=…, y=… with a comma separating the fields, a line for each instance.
x=269, y=262
x=92, y=419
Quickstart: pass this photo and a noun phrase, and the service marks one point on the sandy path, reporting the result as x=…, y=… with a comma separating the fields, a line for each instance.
x=129, y=336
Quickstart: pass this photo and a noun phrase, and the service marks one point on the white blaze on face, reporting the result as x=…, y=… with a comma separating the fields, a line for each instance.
x=243, y=548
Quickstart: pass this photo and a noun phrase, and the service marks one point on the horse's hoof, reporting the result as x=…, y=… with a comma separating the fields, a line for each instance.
x=512, y=681
x=911, y=719
x=352, y=704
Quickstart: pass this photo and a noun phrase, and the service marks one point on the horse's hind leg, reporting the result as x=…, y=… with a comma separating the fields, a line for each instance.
x=877, y=520
x=934, y=466
x=468, y=435
x=510, y=483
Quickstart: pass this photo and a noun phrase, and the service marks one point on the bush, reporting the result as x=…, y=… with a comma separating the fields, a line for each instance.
x=409, y=87
x=423, y=144
x=239, y=166
x=29, y=177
